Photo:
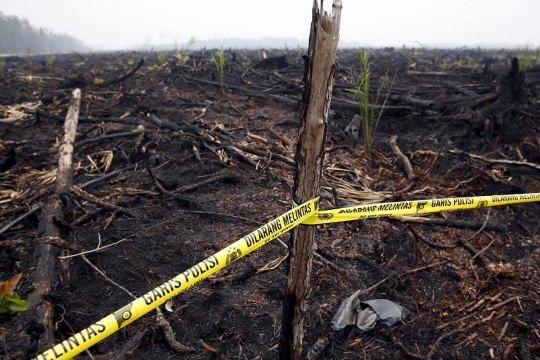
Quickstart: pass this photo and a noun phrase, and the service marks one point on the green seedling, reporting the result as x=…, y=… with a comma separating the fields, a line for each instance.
x=526, y=59
x=153, y=67
x=49, y=58
x=98, y=81
x=28, y=57
x=219, y=62
x=10, y=302
x=246, y=62
x=161, y=56
x=130, y=63
x=182, y=57
x=370, y=116
x=79, y=64
x=299, y=53
x=191, y=42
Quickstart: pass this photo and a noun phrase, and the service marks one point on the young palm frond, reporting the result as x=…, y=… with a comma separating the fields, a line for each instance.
x=370, y=116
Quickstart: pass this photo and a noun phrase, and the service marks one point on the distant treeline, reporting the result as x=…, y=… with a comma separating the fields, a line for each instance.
x=241, y=43
x=18, y=36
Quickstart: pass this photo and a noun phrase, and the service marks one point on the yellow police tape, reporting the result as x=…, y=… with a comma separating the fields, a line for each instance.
x=372, y=211
x=306, y=213
x=149, y=301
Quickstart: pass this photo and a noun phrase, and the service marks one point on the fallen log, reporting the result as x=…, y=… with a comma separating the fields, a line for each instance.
x=343, y=104
x=495, y=161
x=38, y=319
x=461, y=224
x=409, y=100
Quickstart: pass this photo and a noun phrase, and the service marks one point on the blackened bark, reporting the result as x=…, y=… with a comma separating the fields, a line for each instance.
x=39, y=316
x=318, y=83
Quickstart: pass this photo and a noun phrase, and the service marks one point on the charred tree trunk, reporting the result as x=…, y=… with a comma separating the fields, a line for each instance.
x=318, y=83
x=498, y=119
x=513, y=86
x=39, y=316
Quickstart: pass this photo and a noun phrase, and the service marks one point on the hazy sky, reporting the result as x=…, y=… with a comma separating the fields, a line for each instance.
x=124, y=23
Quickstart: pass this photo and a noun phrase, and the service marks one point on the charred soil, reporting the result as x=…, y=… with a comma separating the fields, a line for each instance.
x=222, y=166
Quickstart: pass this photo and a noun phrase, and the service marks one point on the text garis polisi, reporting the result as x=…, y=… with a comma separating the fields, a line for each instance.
x=175, y=283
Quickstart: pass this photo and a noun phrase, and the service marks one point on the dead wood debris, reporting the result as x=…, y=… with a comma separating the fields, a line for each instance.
x=215, y=352
x=484, y=260
x=169, y=334
x=51, y=240
x=404, y=159
x=40, y=312
x=408, y=272
x=328, y=263
x=248, y=272
x=104, y=204
x=81, y=82
x=104, y=120
x=496, y=161
x=449, y=334
x=160, y=319
x=79, y=144
x=430, y=243
x=315, y=352
x=183, y=199
x=407, y=351
x=125, y=350
x=82, y=186
x=208, y=131
x=460, y=224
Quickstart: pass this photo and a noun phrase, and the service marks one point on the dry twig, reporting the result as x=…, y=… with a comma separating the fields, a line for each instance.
x=496, y=161
x=160, y=319
x=451, y=333
x=94, y=200
x=404, y=159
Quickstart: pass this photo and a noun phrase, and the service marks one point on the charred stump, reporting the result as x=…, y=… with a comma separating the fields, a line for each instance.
x=512, y=94
x=513, y=87
x=272, y=63
x=318, y=82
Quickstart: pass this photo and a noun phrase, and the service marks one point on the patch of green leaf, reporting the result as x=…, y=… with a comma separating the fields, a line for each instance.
x=10, y=302
x=370, y=115
x=219, y=62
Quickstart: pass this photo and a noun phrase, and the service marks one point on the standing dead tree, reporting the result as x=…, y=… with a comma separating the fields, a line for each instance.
x=318, y=82
x=40, y=313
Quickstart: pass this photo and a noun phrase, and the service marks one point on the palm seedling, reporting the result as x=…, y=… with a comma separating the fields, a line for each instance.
x=219, y=62
x=370, y=115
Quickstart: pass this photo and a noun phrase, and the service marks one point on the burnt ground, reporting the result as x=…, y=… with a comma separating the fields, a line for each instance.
x=190, y=135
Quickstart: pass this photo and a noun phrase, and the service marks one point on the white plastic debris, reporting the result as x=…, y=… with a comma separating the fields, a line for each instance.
x=363, y=315
x=353, y=129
